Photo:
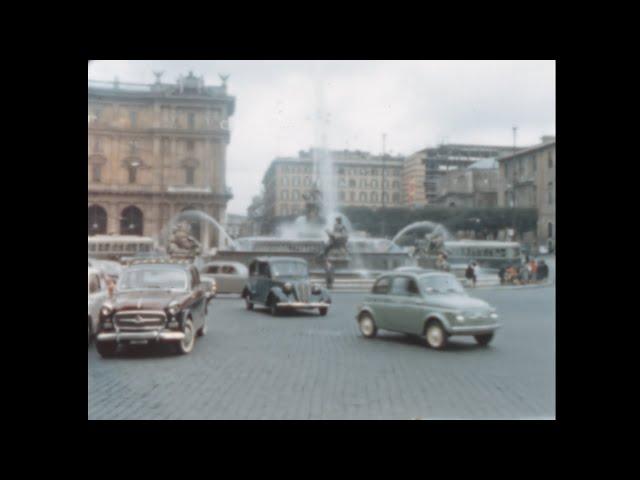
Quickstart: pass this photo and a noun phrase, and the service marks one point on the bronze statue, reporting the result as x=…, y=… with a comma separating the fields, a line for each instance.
x=182, y=243
x=337, y=239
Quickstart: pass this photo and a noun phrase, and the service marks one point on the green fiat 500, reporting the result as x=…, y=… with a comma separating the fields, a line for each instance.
x=427, y=303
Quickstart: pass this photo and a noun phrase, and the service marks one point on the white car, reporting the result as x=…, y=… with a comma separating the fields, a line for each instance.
x=230, y=277
x=97, y=295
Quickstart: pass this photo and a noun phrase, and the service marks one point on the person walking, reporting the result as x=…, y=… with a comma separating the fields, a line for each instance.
x=524, y=274
x=533, y=266
x=470, y=273
x=328, y=267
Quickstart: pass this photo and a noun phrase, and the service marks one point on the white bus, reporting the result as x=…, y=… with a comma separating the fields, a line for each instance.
x=114, y=247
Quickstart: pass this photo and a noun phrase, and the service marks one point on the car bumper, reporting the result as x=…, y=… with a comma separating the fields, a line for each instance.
x=156, y=335
x=473, y=329
x=303, y=305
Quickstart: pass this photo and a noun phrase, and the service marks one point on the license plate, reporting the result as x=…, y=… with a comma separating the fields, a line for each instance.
x=138, y=342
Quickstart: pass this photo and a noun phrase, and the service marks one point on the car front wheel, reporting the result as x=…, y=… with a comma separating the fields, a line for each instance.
x=436, y=336
x=323, y=311
x=484, y=340
x=185, y=345
x=273, y=309
x=367, y=326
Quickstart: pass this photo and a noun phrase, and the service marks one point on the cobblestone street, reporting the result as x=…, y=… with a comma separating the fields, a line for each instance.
x=303, y=366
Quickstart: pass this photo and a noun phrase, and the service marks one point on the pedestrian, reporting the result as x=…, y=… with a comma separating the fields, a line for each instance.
x=533, y=268
x=328, y=274
x=502, y=273
x=543, y=270
x=470, y=273
x=524, y=273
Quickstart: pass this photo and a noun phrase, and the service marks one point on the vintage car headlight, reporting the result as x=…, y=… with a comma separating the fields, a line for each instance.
x=315, y=289
x=459, y=316
x=173, y=308
x=493, y=315
x=106, y=309
x=287, y=287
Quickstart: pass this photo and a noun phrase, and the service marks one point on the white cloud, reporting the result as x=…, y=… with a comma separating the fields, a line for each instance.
x=416, y=103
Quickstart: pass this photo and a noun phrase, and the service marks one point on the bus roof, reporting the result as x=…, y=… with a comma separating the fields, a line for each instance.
x=120, y=238
x=480, y=243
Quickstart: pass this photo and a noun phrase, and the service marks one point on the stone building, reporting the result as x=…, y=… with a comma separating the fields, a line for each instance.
x=413, y=178
x=528, y=179
x=154, y=151
x=475, y=186
x=439, y=160
x=361, y=180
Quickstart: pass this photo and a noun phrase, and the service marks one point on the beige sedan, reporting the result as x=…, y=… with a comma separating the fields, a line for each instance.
x=230, y=277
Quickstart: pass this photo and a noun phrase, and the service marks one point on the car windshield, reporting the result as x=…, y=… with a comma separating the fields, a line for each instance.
x=289, y=269
x=153, y=278
x=440, y=284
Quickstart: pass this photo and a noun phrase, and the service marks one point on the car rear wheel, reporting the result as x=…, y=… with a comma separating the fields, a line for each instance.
x=367, y=326
x=185, y=345
x=436, y=336
x=323, y=311
x=273, y=309
x=106, y=349
x=485, y=339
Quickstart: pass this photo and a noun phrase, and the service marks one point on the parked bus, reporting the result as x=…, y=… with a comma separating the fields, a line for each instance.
x=488, y=254
x=114, y=247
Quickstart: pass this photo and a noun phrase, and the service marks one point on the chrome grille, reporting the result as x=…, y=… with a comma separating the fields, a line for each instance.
x=303, y=291
x=139, y=320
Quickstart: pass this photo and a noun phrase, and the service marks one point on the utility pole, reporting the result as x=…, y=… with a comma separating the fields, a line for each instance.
x=384, y=140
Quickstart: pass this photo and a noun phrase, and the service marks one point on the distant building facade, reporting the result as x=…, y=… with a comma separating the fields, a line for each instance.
x=362, y=180
x=413, y=179
x=444, y=158
x=234, y=224
x=528, y=179
x=154, y=151
x=475, y=186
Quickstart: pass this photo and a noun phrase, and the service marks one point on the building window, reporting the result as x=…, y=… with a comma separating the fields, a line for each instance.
x=285, y=181
x=374, y=184
x=133, y=118
x=342, y=196
x=353, y=196
x=97, y=170
x=352, y=183
x=190, y=171
x=284, y=195
x=295, y=195
x=190, y=145
x=97, y=220
x=374, y=197
x=385, y=197
x=550, y=188
x=191, y=120
x=363, y=197
x=296, y=181
x=131, y=221
x=550, y=160
x=396, y=198
x=133, y=171
x=534, y=166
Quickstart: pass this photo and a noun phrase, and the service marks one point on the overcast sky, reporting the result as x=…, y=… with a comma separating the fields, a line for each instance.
x=416, y=103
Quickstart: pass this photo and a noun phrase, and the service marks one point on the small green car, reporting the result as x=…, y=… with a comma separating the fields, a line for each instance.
x=431, y=304
x=282, y=283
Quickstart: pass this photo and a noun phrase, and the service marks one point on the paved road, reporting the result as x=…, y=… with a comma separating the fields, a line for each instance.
x=254, y=366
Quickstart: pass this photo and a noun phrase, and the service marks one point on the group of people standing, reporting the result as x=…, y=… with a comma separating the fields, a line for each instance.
x=531, y=271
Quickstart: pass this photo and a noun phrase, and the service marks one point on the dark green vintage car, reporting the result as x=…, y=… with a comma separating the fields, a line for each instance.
x=431, y=304
x=282, y=283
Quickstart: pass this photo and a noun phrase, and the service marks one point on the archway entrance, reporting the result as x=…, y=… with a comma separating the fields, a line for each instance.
x=131, y=221
x=97, y=220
